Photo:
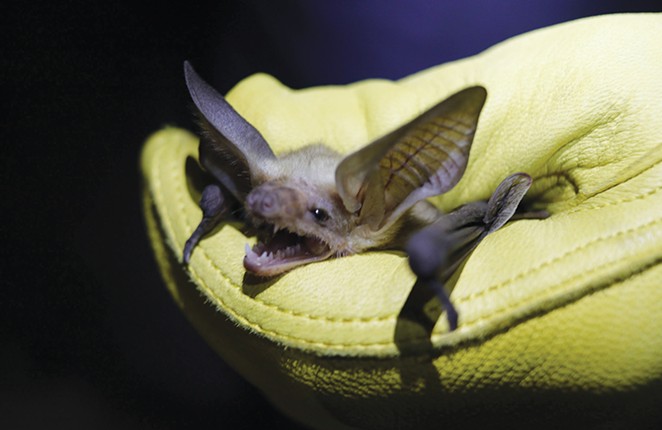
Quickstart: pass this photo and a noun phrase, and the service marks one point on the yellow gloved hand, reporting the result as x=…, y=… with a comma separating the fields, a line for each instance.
x=560, y=319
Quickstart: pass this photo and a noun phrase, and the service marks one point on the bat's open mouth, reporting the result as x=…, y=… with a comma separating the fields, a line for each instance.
x=283, y=251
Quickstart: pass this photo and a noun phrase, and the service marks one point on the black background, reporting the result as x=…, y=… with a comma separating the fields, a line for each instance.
x=89, y=336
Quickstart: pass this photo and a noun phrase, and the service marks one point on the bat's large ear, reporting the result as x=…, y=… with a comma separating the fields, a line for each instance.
x=423, y=158
x=231, y=149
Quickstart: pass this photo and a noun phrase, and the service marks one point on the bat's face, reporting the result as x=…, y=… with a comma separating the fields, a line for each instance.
x=297, y=223
x=299, y=215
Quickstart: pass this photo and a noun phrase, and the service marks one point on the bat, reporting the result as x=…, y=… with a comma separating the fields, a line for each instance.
x=313, y=203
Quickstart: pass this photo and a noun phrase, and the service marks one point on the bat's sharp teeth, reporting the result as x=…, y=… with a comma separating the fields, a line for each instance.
x=315, y=245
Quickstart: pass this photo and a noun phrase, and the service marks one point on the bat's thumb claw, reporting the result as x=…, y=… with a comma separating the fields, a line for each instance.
x=188, y=248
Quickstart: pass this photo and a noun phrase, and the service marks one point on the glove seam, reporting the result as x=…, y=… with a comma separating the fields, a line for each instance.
x=554, y=260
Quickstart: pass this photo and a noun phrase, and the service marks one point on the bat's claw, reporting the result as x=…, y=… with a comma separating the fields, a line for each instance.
x=188, y=249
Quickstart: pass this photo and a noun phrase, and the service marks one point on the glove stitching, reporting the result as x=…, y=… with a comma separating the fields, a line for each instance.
x=383, y=344
x=635, y=197
x=625, y=200
x=555, y=260
x=569, y=280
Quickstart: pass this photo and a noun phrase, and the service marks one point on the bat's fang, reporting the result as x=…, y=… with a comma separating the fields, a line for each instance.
x=282, y=251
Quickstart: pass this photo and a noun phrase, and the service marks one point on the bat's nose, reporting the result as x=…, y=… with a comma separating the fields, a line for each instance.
x=274, y=202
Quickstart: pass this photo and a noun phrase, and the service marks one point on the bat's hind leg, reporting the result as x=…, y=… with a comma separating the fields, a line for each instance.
x=213, y=208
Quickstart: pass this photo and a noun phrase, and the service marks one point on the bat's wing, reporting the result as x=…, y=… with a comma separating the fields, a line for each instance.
x=437, y=250
x=423, y=158
x=231, y=149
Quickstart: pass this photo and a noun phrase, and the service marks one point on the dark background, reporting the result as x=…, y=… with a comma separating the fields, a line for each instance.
x=89, y=337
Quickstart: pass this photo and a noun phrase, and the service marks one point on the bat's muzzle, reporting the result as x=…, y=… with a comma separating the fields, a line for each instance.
x=275, y=203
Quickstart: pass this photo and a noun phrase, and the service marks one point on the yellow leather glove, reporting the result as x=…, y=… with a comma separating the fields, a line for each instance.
x=560, y=319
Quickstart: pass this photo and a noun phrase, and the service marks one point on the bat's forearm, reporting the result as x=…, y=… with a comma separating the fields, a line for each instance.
x=213, y=207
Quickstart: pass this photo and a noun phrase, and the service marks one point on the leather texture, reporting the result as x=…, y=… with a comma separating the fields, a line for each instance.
x=560, y=319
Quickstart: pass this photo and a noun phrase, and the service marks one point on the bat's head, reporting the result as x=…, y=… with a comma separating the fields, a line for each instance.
x=312, y=204
x=298, y=213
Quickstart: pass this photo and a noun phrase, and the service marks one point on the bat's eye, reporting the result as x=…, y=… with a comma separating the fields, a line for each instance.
x=320, y=214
